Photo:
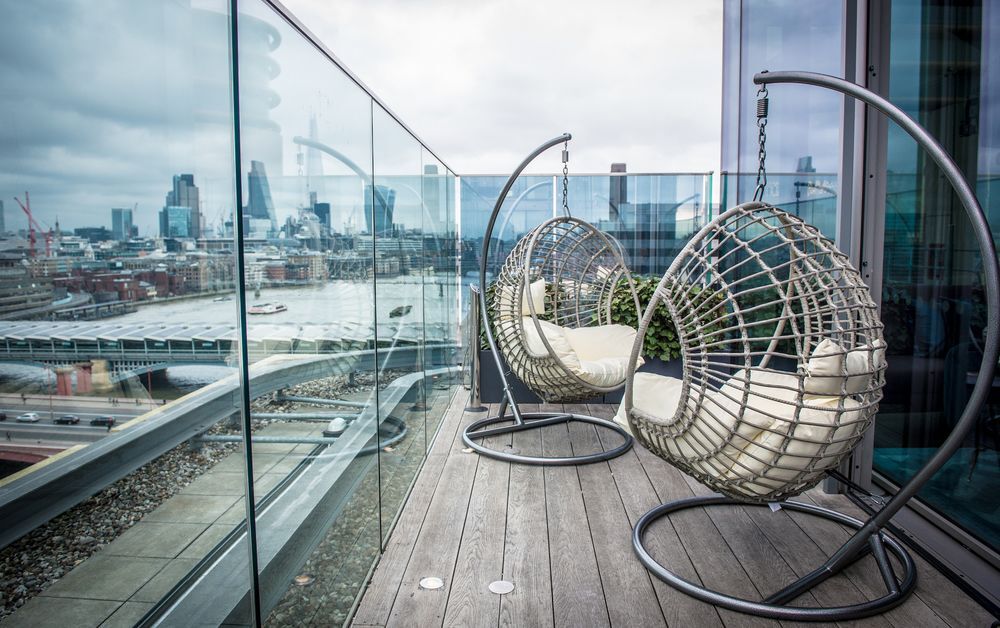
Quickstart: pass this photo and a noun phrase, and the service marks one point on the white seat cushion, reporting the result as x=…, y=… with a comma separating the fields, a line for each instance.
x=535, y=292
x=556, y=337
x=597, y=355
x=769, y=441
x=601, y=342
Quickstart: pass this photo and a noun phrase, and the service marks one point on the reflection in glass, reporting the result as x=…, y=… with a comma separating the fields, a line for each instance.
x=117, y=316
x=397, y=237
x=306, y=142
x=932, y=299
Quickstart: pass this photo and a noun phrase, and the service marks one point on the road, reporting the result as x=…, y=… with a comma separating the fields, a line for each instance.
x=47, y=432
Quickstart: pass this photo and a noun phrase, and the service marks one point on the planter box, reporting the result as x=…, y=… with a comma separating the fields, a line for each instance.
x=491, y=389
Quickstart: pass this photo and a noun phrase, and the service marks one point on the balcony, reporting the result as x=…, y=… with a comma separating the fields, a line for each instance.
x=243, y=402
x=562, y=536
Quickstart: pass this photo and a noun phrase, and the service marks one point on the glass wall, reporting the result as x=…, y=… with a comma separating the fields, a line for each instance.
x=118, y=314
x=121, y=334
x=803, y=125
x=932, y=298
x=652, y=215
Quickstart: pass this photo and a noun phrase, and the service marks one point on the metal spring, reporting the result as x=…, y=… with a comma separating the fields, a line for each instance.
x=762, y=107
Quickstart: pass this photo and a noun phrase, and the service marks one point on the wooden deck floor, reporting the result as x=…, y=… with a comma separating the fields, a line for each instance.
x=562, y=536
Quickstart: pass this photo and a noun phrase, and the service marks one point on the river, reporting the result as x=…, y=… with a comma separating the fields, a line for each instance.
x=332, y=302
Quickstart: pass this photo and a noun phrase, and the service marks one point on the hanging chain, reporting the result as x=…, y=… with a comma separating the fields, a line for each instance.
x=758, y=194
x=565, y=194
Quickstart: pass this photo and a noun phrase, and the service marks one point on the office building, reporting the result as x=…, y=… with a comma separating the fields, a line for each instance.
x=121, y=223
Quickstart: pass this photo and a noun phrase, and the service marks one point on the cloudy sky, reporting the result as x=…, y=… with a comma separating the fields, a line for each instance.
x=98, y=113
x=482, y=83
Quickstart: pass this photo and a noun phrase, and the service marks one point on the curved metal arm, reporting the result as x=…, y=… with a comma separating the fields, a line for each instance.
x=565, y=137
x=991, y=269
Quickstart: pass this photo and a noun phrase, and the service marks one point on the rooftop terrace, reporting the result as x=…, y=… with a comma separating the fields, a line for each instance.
x=562, y=535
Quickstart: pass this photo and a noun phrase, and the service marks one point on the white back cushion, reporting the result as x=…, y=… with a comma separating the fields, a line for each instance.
x=830, y=362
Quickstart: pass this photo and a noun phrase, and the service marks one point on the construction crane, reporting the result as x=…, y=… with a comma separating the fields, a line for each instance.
x=33, y=226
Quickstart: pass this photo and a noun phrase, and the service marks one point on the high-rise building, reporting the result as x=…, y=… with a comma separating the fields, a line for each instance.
x=121, y=223
x=177, y=221
x=259, y=204
x=184, y=194
x=3, y=219
x=385, y=200
x=618, y=192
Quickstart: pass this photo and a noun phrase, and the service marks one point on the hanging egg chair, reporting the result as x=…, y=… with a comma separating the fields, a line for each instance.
x=784, y=365
x=550, y=308
x=548, y=316
x=783, y=355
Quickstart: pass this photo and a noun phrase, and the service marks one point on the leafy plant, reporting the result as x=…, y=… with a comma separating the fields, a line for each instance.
x=661, y=340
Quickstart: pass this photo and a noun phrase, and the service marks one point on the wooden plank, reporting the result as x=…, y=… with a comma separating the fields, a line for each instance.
x=526, y=550
x=377, y=601
x=638, y=496
x=577, y=594
x=717, y=566
x=864, y=574
x=941, y=595
x=803, y=555
x=480, y=557
x=759, y=559
x=628, y=592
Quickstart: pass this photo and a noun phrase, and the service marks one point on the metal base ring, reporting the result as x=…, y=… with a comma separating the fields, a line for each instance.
x=534, y=420
x=890, y=600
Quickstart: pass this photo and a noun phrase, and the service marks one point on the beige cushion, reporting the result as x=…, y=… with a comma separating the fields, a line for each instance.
x=765, y=438
x=597, y=355
x=655, y=396
x=556, y=338
x=536, y=292
x=602, y=341
x=830, y=362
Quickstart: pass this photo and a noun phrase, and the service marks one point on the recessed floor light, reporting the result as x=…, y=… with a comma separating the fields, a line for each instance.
x=304, y=580
x=501, y=587
x=431, y=583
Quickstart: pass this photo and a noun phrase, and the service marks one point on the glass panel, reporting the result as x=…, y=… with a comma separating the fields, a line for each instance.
x=803, y=141
x=932, y=299
x=652, y=215
x=396, y=231
x=306, y=139
x=440, y=291
x=117, y=308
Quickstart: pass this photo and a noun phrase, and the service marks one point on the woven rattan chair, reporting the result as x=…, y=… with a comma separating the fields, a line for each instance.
x=548, y=314
x=783, y=358
x=552, y=295
x=783, y=370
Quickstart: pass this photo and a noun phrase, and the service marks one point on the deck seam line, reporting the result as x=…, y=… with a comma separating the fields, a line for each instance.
x=590, y=531
x=916, y=590
x=621, y=499
x=677, y=533
x=423, y=518
x=503, y=549
x=461, y=537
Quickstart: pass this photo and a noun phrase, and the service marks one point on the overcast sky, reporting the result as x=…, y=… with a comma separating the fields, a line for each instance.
x=98, y=113
x=484, y=82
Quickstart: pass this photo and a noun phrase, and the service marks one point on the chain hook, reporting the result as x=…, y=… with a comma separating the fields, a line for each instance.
x=762, y=106
x=565, y=190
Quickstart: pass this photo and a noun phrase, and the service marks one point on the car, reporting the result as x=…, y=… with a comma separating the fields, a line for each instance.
x=28, y=417
x=68, y=419
x=105, y=421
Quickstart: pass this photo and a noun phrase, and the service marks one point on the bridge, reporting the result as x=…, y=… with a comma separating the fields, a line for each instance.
x=104, y=353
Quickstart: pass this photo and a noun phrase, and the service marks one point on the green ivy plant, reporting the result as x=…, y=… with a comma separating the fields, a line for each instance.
x=661, y=339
